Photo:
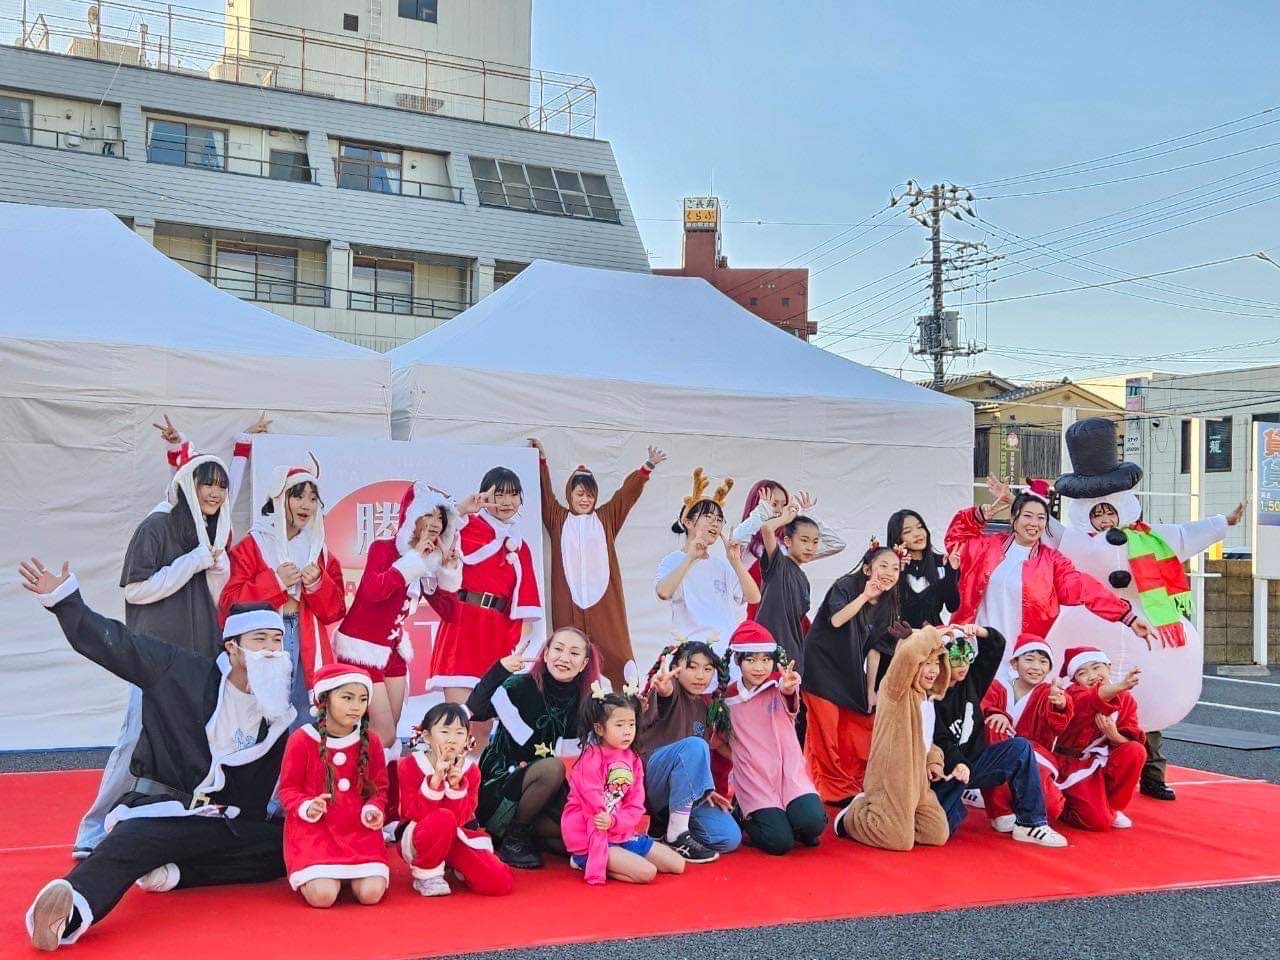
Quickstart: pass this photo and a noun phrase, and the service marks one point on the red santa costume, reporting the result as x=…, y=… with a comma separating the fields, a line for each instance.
x=336, y=845
x=438, y=836
x=1097, y=777
x=396, y=579
x=499, y=592
x=1034, y=718
x=255, y=559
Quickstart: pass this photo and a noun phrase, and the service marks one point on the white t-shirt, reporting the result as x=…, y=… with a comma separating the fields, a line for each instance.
x=236, y=724
x=928, y=719
x=1002, y=606
x=708, y=598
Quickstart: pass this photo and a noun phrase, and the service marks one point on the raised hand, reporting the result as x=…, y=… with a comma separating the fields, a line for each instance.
x=1000, y=491
x=515, y=661
x=656, y=456
x=804, y=502
x=39, y=580
x=766, y=500
x=261, y=425
x=790, y=681
x=478, y=501
x=695, y=549
x=953, y=558
x=317, y=807
x=874, y=588
x=1236, y=515
x=168, y=432
x=372, y=818
x=1131, y=678
x=664, y=682
x=537, y=445
x=289, y=574
x=1057, y=696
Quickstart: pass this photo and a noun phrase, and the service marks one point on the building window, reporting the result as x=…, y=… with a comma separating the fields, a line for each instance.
x=383, y=286
x=351, y=22
x=981, y=453
x=363, y=167
x=15, y=121
x=1217, y=445
x=1184, y=448
x=425, y=10
x=290, y=165
x=565, y=193
x=786, y=301
x=504, y=271
x=186, y=145
x=755, y=301
x=254, y=273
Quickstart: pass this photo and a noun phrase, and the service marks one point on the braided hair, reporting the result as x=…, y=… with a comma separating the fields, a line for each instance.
x=367, y=787
x=680, y=653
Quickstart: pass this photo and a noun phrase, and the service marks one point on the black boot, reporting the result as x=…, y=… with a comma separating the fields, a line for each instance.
x=1157, y=789
x=518, y=850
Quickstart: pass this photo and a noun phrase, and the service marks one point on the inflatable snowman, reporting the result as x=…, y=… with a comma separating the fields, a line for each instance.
x=1102, y=533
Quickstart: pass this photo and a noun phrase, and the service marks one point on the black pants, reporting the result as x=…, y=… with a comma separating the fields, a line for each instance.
x=1153, y=769
x=776, y=831
x=207, y=850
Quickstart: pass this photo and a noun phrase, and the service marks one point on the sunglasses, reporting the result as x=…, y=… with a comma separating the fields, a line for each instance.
x=960, y=650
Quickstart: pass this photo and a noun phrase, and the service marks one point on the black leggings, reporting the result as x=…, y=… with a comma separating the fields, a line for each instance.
x=541, y=802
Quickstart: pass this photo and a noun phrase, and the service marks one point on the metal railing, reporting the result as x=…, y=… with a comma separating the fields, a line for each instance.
x=179, y=39
x=404, y=305
x=71, y=140
x=349, y=179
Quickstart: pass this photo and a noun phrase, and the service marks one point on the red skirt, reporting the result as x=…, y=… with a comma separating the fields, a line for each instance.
x=469, y=644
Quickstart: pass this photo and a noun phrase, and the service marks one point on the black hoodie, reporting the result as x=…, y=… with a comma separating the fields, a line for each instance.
x=959, y=729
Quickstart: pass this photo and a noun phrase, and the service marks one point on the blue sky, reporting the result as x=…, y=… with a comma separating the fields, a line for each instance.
x=813, y=112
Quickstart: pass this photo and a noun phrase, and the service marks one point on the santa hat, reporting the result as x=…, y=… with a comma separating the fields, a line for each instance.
x=751, y=637
x=249, y=620
x=334, y=675
x=419, y=500
x=1038, y=487
x=1077, y=657
x=187, y=461
x=1030, y=643
x=284, y=479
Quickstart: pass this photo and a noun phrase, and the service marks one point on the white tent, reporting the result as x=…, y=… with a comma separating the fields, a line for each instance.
x=598, y=364
x=101, y=335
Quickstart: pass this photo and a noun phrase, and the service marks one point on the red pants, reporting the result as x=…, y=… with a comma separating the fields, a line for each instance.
x=999, y=801
x=837, y=744
x=1092, y=803
x=435, y=842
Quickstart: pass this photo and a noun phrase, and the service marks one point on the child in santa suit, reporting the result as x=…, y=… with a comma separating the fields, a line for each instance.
x=1100, y=753
x=439, y=790
x=1025, y=704
x=333, y=792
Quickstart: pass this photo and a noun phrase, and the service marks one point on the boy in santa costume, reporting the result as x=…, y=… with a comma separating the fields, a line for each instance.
x=586, y=582
x=1100, y=753
x=333, y=793
x=206, y=765
x=284, y=562
x=1026, y=704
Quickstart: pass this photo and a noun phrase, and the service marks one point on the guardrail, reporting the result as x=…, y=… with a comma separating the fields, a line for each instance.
x=404, y=305
x=349, y=179
x=71, y=140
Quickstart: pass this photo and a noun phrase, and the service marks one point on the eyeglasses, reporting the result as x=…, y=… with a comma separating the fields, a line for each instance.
x=960, y=650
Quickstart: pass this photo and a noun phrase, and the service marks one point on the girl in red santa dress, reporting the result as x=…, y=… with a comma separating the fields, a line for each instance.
x=498, y=600
x=284, y=562
x=439, y=791
x=333, y=792
x=1101, y=752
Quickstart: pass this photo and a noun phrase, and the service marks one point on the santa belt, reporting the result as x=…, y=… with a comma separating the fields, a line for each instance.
x=490, y=601
x=1072, y=754
x=153, y=788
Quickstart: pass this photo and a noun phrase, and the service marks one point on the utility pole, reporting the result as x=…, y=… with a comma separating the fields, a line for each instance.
x=937, y=335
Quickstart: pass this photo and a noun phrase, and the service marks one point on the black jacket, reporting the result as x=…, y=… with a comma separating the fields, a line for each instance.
x=959, y=729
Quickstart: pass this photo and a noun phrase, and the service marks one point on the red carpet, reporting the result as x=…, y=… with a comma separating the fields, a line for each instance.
x=1220, y=831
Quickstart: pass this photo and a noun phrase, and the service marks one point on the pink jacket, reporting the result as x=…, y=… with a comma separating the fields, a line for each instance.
x=602, y=779
x=768, y=764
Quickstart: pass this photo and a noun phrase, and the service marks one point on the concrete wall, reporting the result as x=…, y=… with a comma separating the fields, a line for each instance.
x=1228, y=614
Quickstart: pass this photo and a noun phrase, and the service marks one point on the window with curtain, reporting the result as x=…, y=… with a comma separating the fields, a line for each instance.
x=266, y=274
x=362, y=167
x=186, y=145
x=383, y=286
x=15, y=120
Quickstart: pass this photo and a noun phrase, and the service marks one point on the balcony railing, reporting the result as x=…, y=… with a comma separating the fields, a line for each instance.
x=180, y=39
x=61, y=140
x=383, y=182
x=404, y=305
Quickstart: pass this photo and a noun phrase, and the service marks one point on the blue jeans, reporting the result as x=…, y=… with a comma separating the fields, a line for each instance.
x=1012, y=762
x=299, y=695
x=679, y=776
x=116, y=777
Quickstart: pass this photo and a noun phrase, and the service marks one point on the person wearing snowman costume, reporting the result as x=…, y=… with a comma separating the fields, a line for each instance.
x=1104, y=534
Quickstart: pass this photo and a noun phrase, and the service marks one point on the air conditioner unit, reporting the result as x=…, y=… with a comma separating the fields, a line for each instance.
x=416, y=101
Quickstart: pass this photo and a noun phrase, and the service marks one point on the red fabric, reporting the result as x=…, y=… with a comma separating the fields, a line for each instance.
x=251, y=580
x=1049, y=579
x=758, y=579
x=837, y=745
x=338, y=837
x=1092, y=803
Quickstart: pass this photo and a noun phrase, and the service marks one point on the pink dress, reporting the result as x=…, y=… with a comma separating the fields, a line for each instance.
x=603, y=779
x=768, y=764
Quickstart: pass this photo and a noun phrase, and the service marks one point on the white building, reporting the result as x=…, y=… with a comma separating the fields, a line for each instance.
x=1228, y=403
x=357, y=169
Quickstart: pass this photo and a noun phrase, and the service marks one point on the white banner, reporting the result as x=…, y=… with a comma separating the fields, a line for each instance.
x=361, y=483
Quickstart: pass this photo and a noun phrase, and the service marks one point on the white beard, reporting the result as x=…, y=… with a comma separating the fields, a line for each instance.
x=270, y=681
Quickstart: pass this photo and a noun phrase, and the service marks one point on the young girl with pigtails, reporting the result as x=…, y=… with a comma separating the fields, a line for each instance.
x=333, y=793
x=680, y=725
x=606, y=796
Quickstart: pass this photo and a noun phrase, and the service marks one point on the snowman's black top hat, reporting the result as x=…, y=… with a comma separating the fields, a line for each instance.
x=1097, y=470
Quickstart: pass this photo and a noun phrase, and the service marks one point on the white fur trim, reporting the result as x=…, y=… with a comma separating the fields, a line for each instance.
x=335, y=743
x=338, y=871
x=453, y=794
x=344, y=785
x=445, y=681
x=364, y=812
x=64, y=590
x=425, y=500
x=239, y=623
x=339, y=758
x=740, y=647
x=568, y=747
x=359, y=651
x=1084, y=659
x=428, y=792
x=411, y=566
x=165, y=808
x=1039, y=646
x=510, y=717
x=302, y=811
x=404, y=647
x=449, y=577
x=1100, y=753
x=477, y=842
x=526, y=613
x=341, y=680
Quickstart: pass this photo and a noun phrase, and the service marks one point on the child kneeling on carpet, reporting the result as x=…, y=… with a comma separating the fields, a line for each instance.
x=606, y=796
x=1100, y=753
x=679, y=727
x=333, y=791
x=439, y=792
x=778, y=802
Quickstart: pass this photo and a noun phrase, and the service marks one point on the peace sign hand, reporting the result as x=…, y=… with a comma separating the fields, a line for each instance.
x=1057, y=696
x=261, y=425
x=39, y=580
x=478, y=501
x=516, y=661
x=790, y=681
x=168, y=432
x=664, y=682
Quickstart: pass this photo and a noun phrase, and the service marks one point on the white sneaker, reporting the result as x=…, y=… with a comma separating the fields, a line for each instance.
x=432, y=886
x=1044, y=836
x=389, y=831
x=973, y=798
x=1004, y=824
x=1120, y=821
x=160, y=880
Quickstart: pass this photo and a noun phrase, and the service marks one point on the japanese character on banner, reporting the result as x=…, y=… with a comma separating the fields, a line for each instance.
x=375, y=521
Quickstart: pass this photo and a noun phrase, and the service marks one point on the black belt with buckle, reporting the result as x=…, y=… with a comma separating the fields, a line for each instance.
x=153, y=788
x=490, y=601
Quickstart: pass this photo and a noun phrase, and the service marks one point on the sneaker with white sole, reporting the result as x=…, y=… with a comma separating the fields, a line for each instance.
x=837, y=824
x=973, y=798
x=692, y=849
x=160, y=880
x=1043, y=835
x=1121, y=821
x=432, y=886
x=49, y=915
x=1004, y=824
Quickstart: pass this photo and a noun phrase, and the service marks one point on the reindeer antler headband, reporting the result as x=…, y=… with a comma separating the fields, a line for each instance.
x=700, y=484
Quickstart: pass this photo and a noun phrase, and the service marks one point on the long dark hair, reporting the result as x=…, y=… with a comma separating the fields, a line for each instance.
x=928, y=561
x=877, y=617
x=589, y=675
x=682, y=653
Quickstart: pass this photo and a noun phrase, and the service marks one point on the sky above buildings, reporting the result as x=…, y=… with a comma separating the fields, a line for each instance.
x=813, y=113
